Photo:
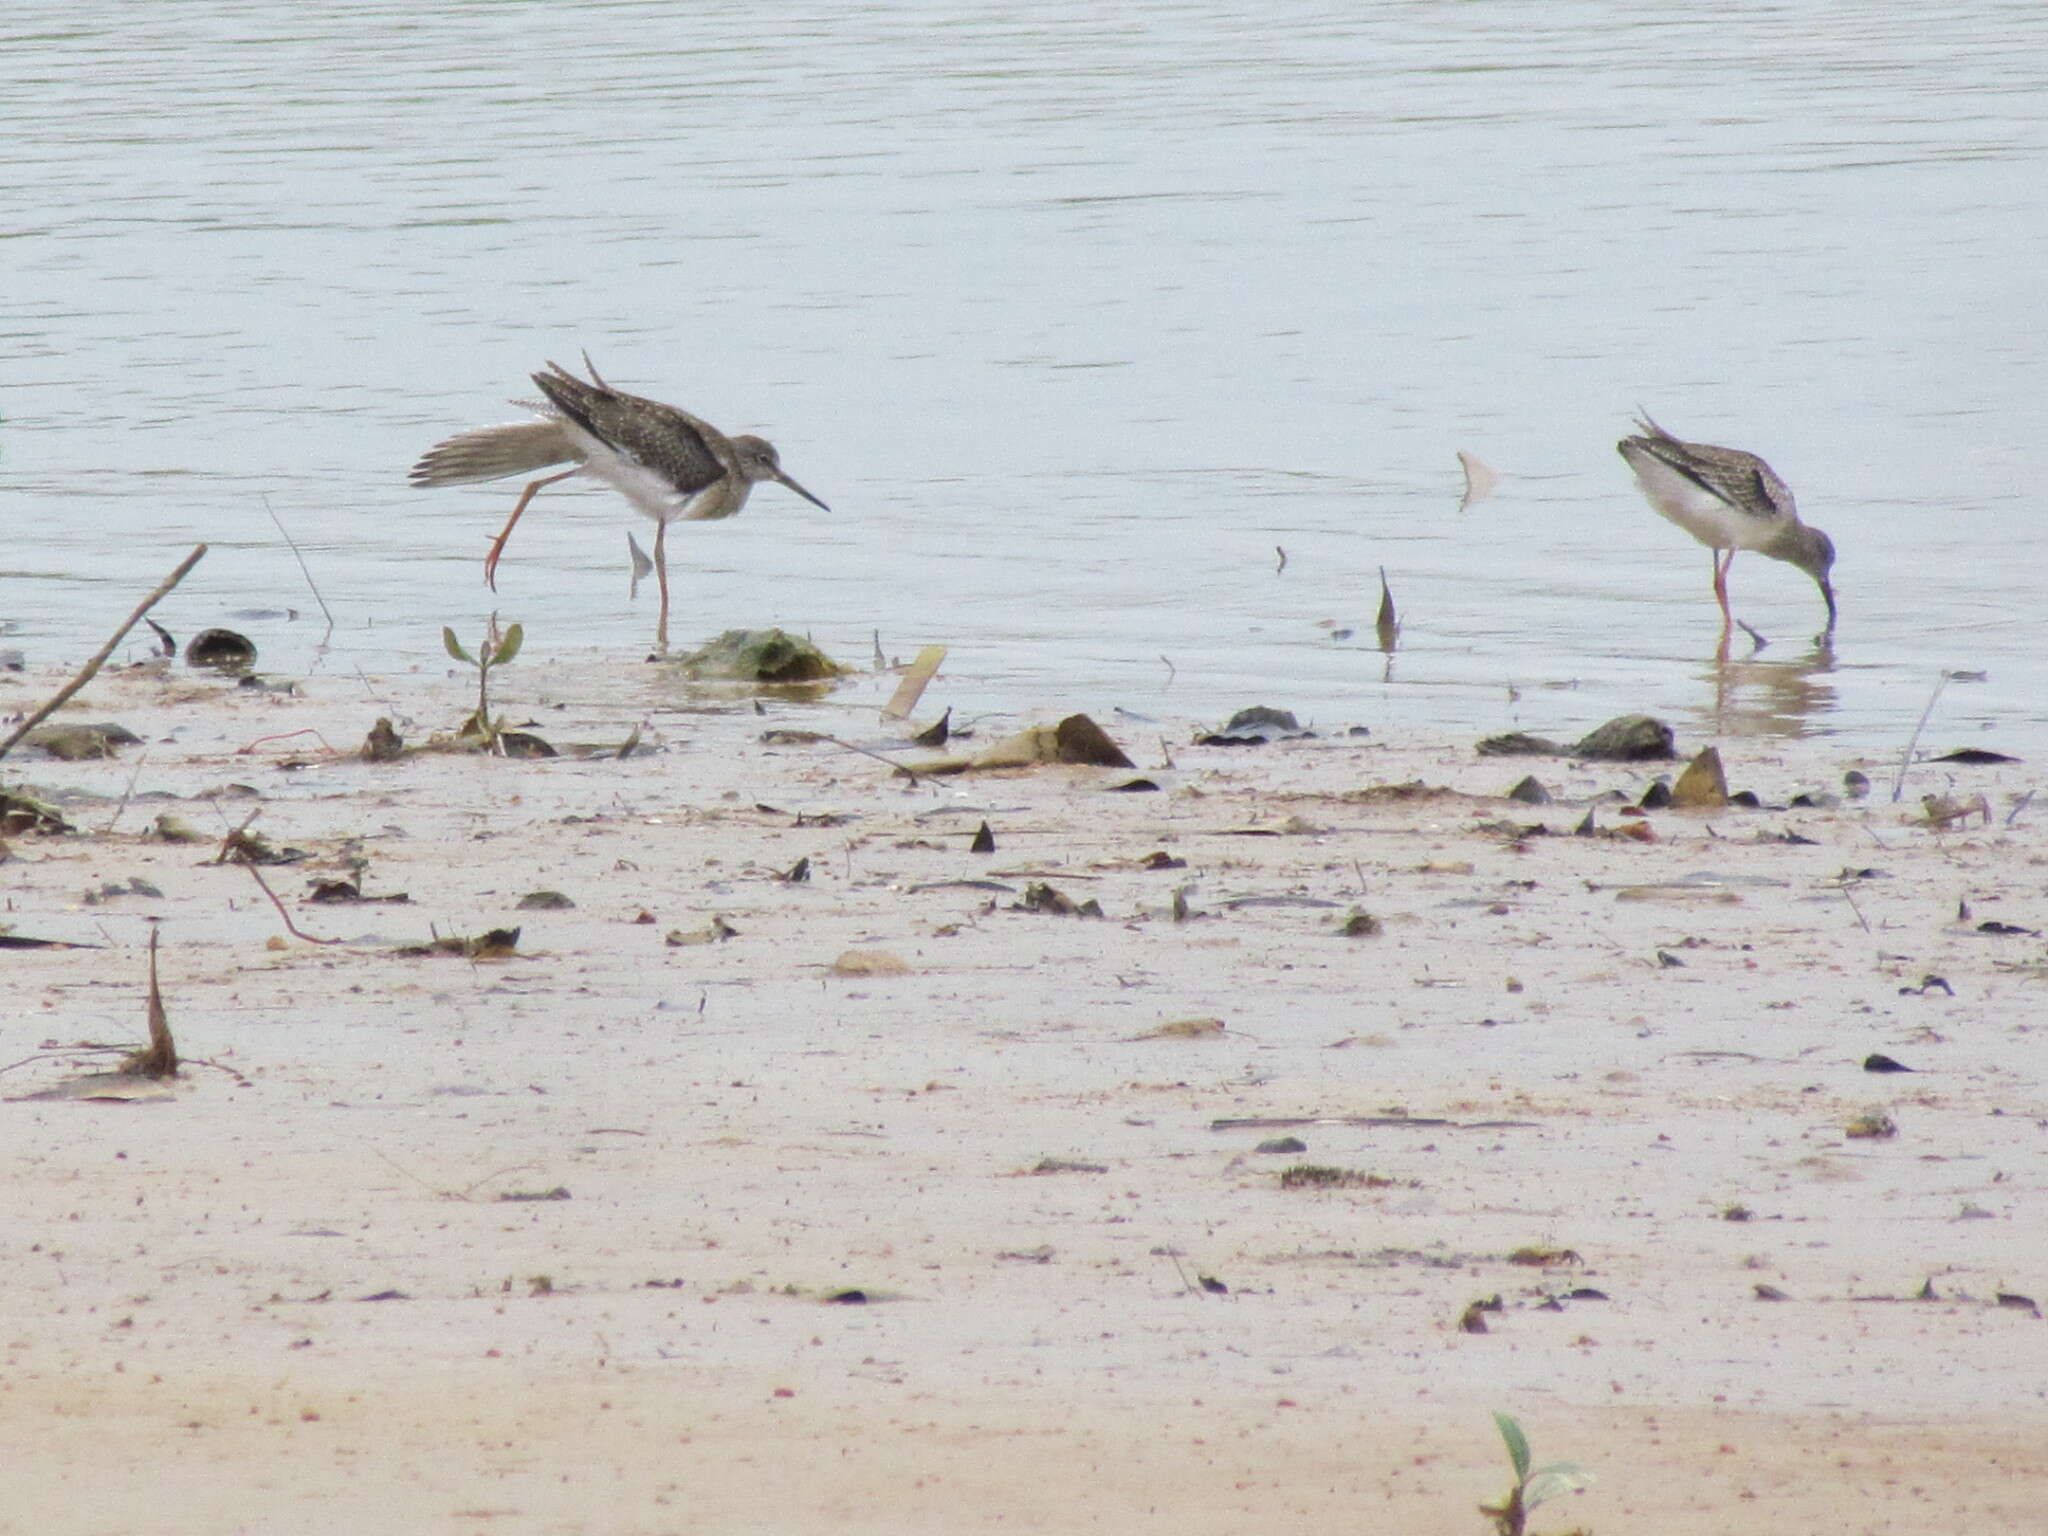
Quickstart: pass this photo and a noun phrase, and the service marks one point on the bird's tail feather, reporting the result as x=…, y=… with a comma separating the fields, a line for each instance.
x=492, y=453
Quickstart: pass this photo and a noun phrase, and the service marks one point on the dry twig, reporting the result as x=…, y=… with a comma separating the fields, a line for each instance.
x=91, y=668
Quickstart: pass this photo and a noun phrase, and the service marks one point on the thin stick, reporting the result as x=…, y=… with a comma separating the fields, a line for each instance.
x=1860, y=918
x=290, y=927
x=91, y=668
x=864, y=752
x=1905, y=760
x=304, y=570
x=128, y=792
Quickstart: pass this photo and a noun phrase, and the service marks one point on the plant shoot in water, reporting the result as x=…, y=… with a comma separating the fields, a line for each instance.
x=1532, y=1486
x=495, y=651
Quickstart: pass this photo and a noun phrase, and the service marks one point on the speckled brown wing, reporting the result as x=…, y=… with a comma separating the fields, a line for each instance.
x=669, y=442
x=1742, y=480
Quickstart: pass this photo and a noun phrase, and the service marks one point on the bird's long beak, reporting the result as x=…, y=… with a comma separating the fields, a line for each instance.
x=782, y=479
x=1827, y=593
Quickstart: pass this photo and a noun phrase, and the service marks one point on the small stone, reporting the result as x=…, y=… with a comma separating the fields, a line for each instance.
x=1520, y=744
x=221, y=649
x=1260, y=718
x=1628, y=739
x=75, y=743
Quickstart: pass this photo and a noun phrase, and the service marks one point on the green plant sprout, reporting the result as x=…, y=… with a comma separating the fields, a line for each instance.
x=1532, y=1486
x=495, y=651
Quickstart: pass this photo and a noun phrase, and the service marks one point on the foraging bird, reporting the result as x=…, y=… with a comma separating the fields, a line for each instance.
x=1728, y=500
x=665, y=461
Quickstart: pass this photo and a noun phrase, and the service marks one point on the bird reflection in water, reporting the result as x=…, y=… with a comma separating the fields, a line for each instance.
x=1788, y=697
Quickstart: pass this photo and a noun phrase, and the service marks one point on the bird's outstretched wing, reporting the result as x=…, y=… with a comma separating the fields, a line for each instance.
x=491, y=453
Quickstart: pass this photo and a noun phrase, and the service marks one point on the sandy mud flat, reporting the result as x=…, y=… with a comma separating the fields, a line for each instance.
x=911, y=1195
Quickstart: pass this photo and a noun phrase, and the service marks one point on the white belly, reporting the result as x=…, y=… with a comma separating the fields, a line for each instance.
x=649, y=491
x=1696, y=509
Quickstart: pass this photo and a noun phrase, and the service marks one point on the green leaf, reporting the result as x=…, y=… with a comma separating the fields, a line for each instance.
x=1548, y=1482
x=455, y=646
x=1516, y=1442
x=509, y=646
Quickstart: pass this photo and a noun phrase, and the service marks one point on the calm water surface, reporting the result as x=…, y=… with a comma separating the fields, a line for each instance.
x=1076, y=320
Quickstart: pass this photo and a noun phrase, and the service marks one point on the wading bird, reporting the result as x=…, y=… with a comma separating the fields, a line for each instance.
x=1728, y=500
x=665, y=461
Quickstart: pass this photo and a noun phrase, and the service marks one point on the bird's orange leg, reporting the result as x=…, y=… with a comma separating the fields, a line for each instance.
x=661, y=580
x=1721, y=564
x=504, y=533
x=1721, y=595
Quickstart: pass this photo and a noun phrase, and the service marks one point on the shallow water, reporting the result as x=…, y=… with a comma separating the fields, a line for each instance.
x=1076, y=320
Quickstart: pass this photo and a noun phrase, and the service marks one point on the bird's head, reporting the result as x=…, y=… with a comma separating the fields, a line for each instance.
x=1814, y=553
x=759, y=461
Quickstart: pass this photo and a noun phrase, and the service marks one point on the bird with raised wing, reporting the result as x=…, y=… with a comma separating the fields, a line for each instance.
x=666, y=462
x=1728, y=500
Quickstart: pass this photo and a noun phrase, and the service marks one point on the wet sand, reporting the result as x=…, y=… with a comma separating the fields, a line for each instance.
x=1081, y=1297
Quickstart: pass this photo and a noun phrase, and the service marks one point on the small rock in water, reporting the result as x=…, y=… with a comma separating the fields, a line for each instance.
x=1628, y=739
x=75, y=742
x=1259, y=717
x=761, y=656
x=1254, y=727
x=223, y=649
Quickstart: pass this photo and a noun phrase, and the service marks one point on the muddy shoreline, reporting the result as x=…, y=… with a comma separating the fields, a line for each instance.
x=884, y=1199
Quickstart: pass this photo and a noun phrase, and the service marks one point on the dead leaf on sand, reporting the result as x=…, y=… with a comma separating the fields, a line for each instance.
x=1538, y=1256
x=919, y=673
x=1046, y=1165
x=383, y=744
x=160, y=1057
x=1703, y=786
x=1186, y=1029
x=140, y=1076
x=494, y=944
x=1076, y=739
x=1322, y=1176
x=1040, y=897
x=1872, y=1124
x=102, y=1088
x=870, y=962
x=1943, y=812
x=717, y=931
